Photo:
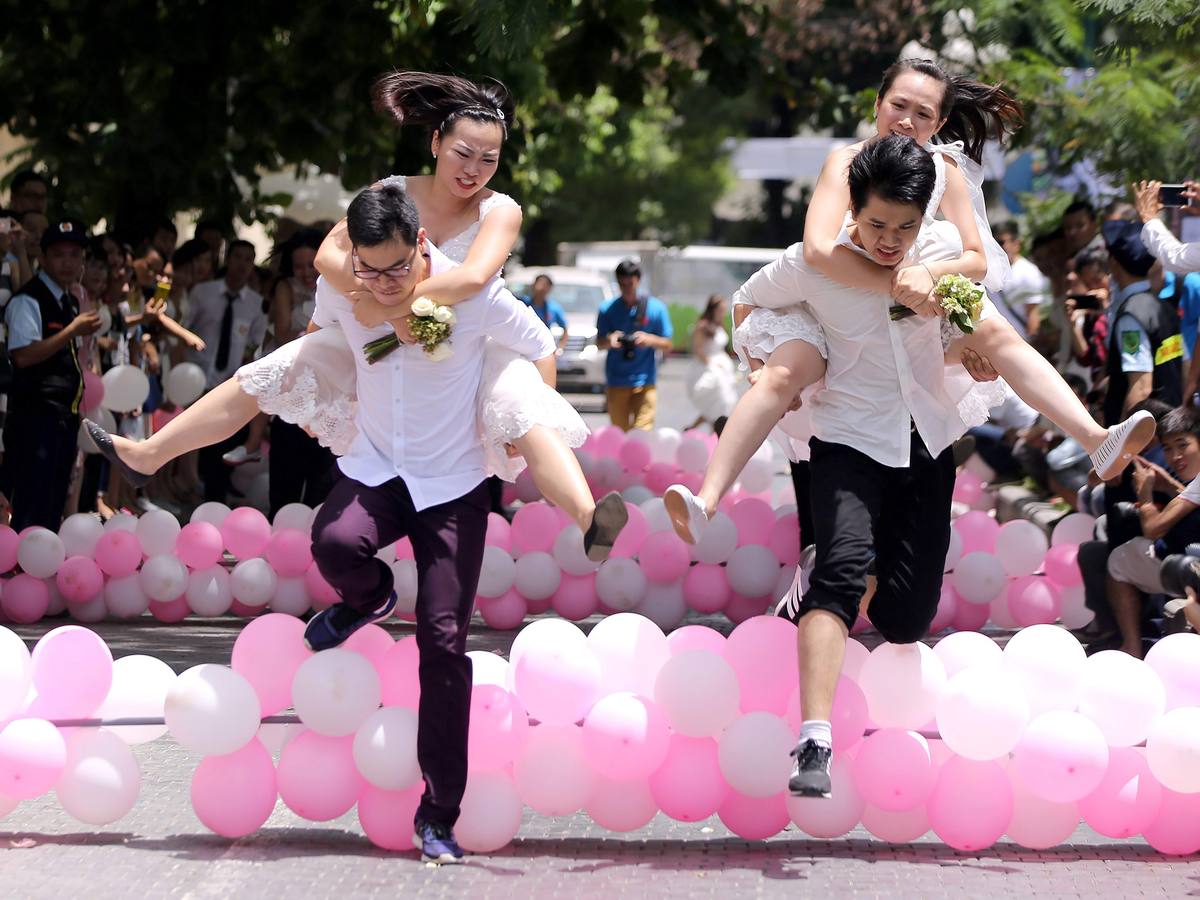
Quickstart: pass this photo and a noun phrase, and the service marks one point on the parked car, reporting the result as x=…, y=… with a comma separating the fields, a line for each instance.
x=580, y=292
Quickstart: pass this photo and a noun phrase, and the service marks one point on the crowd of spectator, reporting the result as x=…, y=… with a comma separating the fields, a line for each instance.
x=77, y=299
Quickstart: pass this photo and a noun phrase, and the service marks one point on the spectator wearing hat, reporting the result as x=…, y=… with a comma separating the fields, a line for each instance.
x=42, y=425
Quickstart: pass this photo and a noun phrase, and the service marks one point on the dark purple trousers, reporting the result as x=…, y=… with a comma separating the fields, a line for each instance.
x=448, y=542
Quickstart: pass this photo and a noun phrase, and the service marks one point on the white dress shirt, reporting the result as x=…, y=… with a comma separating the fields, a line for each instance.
x=416, y=417
x=206, y=309
x=882, y=377
x=1175, y=255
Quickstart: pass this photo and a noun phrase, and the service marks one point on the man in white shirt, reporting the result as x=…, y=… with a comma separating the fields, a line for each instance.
x=416, y=469
x=229, y=318
x=1026, y=288
x=1176, y=256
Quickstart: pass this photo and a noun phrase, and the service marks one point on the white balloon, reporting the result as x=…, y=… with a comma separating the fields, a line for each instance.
x=491, y=812
x=291, y=597
x=982, y=712
x=1074, y=613
x=335, y=691
x=692, y=454
x=105, y=420
x=902, y=683
x=125, y=388
x=497, y=572
x=954, y=552
x=123, y=598
x=1021, y=546
x=405, y=584
x=208, y=592
x=293, y=515
x=79, y=534
x=1049, y=662
x=16, y=673
x=551, y=774
x=620, y=584
x=1122, y=695
x=537, y=576
x=753, y=754
x=213, y=512
x=631, y=650
x=664, y=605
x=698, y=692
x=212, y=710
x=164, y=578
x=385, y=748
x=568, y=551
x=718, y=541
x=122, y=522
x=752, y=570
x=185, y=384
x=1173, y=750
x=664, y=445
x=757, y=475
x=966, y=649
x=636, y=494
x=253, y=582
x=157, y=531
x=656, y=514
x=101, y=780
x=57, y=603
x=1073, y=529
x=979, y=577
x=40, y=552
x=489, y=668
x=92, y=611
x=139, y=691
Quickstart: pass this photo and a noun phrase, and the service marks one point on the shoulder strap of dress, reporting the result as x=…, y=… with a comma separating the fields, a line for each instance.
x=495, y=201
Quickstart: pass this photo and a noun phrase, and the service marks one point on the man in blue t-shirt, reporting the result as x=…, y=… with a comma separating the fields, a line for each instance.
x=634, y=328
x=547, y=310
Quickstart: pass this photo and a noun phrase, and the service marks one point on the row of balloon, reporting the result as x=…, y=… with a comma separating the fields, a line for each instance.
x=125, y=388
x=626, y=722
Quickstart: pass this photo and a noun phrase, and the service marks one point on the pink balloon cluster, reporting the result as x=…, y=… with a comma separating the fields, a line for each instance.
x=745, y=560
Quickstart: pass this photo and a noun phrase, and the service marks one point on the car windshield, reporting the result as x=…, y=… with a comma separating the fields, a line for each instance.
x=573, y=298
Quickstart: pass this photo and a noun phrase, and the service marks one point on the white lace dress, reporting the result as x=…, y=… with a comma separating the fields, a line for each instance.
x=765, y=330
x=310, y=382
x=713, y=384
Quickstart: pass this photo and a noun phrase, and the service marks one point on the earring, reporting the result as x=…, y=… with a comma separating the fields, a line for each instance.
x=435, y=156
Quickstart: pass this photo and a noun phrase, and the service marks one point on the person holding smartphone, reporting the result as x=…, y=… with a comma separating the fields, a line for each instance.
x=1151, y=198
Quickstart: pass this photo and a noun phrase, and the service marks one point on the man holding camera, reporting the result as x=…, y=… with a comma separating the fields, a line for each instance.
x=633, y=327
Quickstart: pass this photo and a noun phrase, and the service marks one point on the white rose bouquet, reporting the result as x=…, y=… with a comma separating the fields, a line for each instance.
x=961, y=301
x=430, y=324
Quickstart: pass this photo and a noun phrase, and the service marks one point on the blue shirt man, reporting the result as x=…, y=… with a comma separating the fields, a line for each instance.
x=547, y=310
x=1185, y=290
x=634, y=328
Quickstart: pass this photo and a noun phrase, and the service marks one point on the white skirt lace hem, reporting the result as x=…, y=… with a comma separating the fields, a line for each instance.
x=766, y=330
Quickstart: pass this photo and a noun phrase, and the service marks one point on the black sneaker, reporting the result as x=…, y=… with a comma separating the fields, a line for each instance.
x=607, y=521
x=788, y=606
x=810, y=774
x=331, y=627
x=436, y=843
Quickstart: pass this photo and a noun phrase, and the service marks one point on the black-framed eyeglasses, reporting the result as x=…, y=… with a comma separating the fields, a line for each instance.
x=370, y=273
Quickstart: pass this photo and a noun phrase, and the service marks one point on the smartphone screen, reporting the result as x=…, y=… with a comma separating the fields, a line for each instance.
x=1172, y=195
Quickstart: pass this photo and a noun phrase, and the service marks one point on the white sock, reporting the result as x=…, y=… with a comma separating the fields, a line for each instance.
x=817, y=730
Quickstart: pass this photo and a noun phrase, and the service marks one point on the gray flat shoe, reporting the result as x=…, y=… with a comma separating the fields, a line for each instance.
x=104, y=444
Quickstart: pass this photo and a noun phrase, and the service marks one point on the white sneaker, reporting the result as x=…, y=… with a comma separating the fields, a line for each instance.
x=688, y=517
x=239, y=456
x=1124, y=441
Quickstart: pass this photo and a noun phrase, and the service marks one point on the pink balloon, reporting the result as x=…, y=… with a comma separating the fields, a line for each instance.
x=234, y=795
x=503, y=613
x=1176, y=828
x=25, y=599
x=319, y=799
x=696, y=637
x=608, y=440
x=620, y=806
x=754, y=520
x=629, y=541
x=199, y=546
x=322, y=593
x=79, y=579
x=660, y=476
x=267, y=653
x=740, y=608
x=901, y=827
x=1039, y=824
x=664, y=558
x=634, y=455
x=978, y=531
x=689, y=786
x=372, y=642
x=706, y=588
x=33, y=755
x=947, y=607
x=849, y=719
x=762, y=651
x=290, y=552
x=399, y=674
x=240, y=609
x=534, y=527
x=971, y=804
x=1062, y=565
x=9, y=542
x=245, y=532
x=1033, y=600
x=1127, y=799
x=119, y=553
x=72, y=672
x=575, y=598
x=499, y=728
x=404, y=547
x=968, y=488
x=386, y=817
x=170, y=612
x=93, y=391
x=1062, y=756
x=894, y=769
x=754, y=818
x=784, y=539
x=498, y=532
x=970, y=616
x=625, y=736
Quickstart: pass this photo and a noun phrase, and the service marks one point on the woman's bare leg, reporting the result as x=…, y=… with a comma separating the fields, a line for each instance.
x=791, y=369
x=217, y=415
x=557, y=474
x=1033, y=379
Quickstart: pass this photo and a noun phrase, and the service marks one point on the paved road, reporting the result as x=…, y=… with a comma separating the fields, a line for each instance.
x=161, y=850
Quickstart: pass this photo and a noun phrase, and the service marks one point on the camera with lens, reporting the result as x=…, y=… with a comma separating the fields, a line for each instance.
x=628, y=346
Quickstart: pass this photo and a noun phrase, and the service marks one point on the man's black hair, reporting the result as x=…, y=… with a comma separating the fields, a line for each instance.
x=894, y=168
x=381, y=213
x=1182, y=420
x=1083, y=206
x=233, y=245
x=23, y=178
x=628, y=268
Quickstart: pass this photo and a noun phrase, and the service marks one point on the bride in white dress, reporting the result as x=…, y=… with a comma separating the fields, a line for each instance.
x=310, y=381
x=919, y=100
x=713, y=384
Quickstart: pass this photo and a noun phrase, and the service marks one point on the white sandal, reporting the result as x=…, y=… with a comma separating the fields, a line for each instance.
x=688, y=517
x=1124, y=441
